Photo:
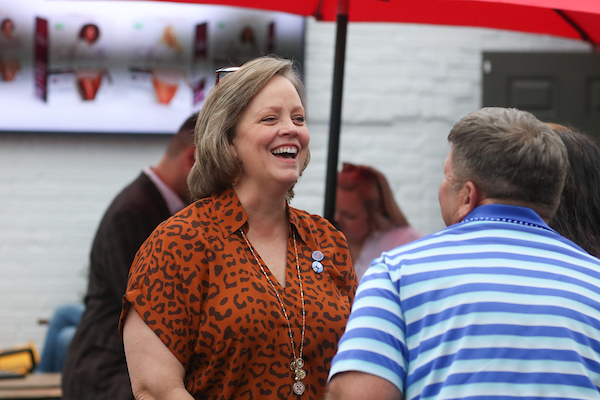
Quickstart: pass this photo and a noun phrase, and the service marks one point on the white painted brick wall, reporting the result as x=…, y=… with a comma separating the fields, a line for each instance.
x=405, y=86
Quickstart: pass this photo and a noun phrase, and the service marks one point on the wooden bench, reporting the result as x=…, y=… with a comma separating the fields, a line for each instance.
x=32, y=386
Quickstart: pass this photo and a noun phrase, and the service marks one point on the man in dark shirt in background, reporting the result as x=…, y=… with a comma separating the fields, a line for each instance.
x=95, y=366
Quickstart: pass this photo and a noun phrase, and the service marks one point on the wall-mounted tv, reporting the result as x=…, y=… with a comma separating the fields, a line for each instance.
x=125, y=66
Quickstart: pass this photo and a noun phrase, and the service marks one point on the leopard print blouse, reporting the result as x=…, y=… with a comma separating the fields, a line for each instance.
x=197, y=285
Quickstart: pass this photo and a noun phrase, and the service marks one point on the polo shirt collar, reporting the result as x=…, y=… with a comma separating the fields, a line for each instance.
x=506, y=213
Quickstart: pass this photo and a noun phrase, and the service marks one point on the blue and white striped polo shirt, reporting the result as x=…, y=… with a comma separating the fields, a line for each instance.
x=498, y=306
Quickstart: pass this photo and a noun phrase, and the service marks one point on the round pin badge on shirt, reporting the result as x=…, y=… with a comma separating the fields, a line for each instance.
x=317, y=255
x=317, y=267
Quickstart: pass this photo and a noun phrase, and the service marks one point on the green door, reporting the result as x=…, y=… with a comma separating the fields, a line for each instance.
x=563, y=88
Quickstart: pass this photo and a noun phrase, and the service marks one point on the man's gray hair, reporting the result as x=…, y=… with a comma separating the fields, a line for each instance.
x=510, y=155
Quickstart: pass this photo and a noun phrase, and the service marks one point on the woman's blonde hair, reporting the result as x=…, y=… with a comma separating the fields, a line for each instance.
x=215, y=168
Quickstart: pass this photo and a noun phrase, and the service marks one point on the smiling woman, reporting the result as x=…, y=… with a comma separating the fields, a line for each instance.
x=254, y=293
x=272, y=140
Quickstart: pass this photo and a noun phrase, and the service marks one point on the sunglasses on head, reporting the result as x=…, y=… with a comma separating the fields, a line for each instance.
x=221, y=72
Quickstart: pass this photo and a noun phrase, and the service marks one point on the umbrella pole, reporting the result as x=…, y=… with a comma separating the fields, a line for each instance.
x=336, y=109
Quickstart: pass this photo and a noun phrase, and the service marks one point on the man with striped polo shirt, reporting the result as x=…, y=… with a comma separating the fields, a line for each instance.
x=495, y=306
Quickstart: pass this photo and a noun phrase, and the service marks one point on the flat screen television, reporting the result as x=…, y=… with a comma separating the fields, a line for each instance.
x=125, y=66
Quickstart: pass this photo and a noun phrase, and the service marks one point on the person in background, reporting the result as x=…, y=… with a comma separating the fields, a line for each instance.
x=496, y=306
x=167, y=58
x=241, y=295
x=7, y=28
x=368, y=215
x=88, y=59
x=245, y=46
x=89, y=33
x=578, y=215
x=10, y=50
x=95, y=366
x=61, y=329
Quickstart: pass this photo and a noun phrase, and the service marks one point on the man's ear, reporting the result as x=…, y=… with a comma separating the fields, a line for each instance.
x=469, y=198
x=190, y=156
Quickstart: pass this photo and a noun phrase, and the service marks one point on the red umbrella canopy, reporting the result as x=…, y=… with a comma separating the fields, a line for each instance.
x=578, y=19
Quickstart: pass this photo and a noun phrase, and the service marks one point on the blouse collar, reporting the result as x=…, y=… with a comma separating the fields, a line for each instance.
x=232, y=217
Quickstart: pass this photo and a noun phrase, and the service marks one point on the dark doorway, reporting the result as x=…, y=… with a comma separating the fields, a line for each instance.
x=563, y=88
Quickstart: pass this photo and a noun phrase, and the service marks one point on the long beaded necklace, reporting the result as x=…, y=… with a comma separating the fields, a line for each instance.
x=298, y=363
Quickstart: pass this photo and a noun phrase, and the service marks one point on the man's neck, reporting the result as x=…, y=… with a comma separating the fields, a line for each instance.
x=545, y=212
x=172, y=199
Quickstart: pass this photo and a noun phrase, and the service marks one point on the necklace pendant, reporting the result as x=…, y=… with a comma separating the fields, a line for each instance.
x=300, y=374
x=298, y=363
x=298, y=388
